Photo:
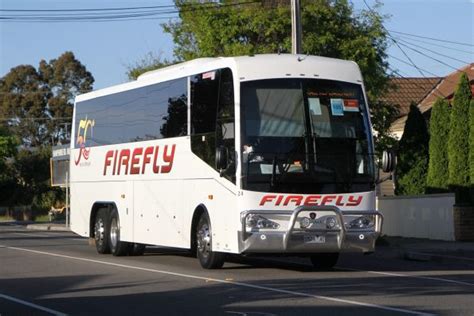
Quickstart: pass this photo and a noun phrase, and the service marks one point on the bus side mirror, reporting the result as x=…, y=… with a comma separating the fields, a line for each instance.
x=222, y=158
x=389, y=161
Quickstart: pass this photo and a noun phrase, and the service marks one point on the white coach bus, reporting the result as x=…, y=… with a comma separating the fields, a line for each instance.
x=266, y=154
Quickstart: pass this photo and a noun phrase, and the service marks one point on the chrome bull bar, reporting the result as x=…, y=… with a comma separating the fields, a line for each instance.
x=291, y=240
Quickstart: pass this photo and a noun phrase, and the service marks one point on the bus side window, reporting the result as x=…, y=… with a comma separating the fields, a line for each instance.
x=225, y=131
x=204, y=98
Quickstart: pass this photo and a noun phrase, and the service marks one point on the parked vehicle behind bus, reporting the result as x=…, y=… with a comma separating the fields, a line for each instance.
x=266, y=154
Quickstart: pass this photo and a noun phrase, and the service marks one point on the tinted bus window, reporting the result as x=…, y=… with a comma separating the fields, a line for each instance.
x=152, y=112
x=212, y=117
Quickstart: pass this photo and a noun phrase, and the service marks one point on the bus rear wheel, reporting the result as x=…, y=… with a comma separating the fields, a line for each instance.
x=101, y=231
x=117, y=247
x=207, y=258
x=324, y=261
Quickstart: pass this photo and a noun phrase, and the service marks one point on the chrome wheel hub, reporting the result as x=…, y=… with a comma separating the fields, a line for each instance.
x=114, y=231
x=99, y=230
x=204, y=240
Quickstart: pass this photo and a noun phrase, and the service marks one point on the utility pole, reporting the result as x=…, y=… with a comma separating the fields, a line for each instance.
x=296, y=28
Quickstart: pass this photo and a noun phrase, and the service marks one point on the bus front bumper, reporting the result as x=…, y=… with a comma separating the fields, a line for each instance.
x=291, y=237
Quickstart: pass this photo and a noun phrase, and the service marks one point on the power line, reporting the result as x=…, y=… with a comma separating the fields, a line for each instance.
x=409, y=39
x=407, y=63
x=430, y=57
x=432, y=51
x=87, y=10
x=427, y=71
x=435, y=89
x=433, y=39
x=35, y=118
x=396, y=43
x=132, y=13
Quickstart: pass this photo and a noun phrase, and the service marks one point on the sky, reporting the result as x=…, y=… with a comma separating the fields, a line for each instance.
x=108, y=48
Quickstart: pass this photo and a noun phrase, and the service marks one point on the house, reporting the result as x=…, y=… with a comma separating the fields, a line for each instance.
x=423, y=92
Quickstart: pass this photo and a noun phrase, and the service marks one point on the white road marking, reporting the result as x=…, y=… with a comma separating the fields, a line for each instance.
x=42, y=308
x=400, y=275
x=247, y=285
x=422, y=277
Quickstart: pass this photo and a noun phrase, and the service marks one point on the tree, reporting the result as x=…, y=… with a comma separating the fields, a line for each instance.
x=38, y=103
x=65, y=77
x=471, y=145
x=438, y=163
x=413, y=155
x=331, y=28
x=32, y=173
x=23, y=104
x=382, y=119
x=148, y=63
x=36, y=109
x=458, y=141
x=8, y=149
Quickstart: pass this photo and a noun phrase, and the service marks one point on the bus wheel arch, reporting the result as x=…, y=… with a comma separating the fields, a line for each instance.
x=202, y=232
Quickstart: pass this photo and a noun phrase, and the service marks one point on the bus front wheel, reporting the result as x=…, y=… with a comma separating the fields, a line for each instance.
x=207, y=258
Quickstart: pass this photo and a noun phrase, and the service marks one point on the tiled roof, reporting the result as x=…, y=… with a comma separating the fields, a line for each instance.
x=408, y=90
x=424, y=92
x=446, y=87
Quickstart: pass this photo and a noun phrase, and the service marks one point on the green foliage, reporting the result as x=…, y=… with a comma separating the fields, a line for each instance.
x=7, y=147
x=32, y=167
x=437, y=181
x=8, y=150
x=331, y=28
x=39, y=102
x=23, y=98
x=148, y=63
x=458, y=142
x=413, y=155
x=471, y=145
x=39, y=106
x=382, y=120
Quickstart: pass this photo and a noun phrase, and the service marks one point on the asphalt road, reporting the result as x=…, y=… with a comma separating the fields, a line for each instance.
x=52, y=273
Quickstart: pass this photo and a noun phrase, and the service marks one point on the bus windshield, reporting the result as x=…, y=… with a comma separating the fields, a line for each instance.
x=306, y=136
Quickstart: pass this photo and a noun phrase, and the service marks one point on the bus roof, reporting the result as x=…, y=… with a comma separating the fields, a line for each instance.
x=246, y=68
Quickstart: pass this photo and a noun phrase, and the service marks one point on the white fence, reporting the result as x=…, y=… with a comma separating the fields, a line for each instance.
x=422, y=216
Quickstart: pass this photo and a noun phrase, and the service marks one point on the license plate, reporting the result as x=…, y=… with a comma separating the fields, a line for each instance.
x=315, y=239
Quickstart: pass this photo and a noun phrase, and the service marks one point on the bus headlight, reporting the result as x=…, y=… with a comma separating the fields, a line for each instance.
x=305, y=222
x=363, y=222
x=258, y=221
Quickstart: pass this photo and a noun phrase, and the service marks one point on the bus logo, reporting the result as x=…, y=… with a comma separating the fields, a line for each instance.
x=158, y=159
x=84, y=126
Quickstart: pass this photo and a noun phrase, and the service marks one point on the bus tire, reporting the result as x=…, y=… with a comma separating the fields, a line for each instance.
x=117, y=247
x=136, y=249
x=207, y=258
x=324, y=261
x=101, y=231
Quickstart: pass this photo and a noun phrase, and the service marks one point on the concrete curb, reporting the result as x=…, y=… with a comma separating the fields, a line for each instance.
x=49, y=227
